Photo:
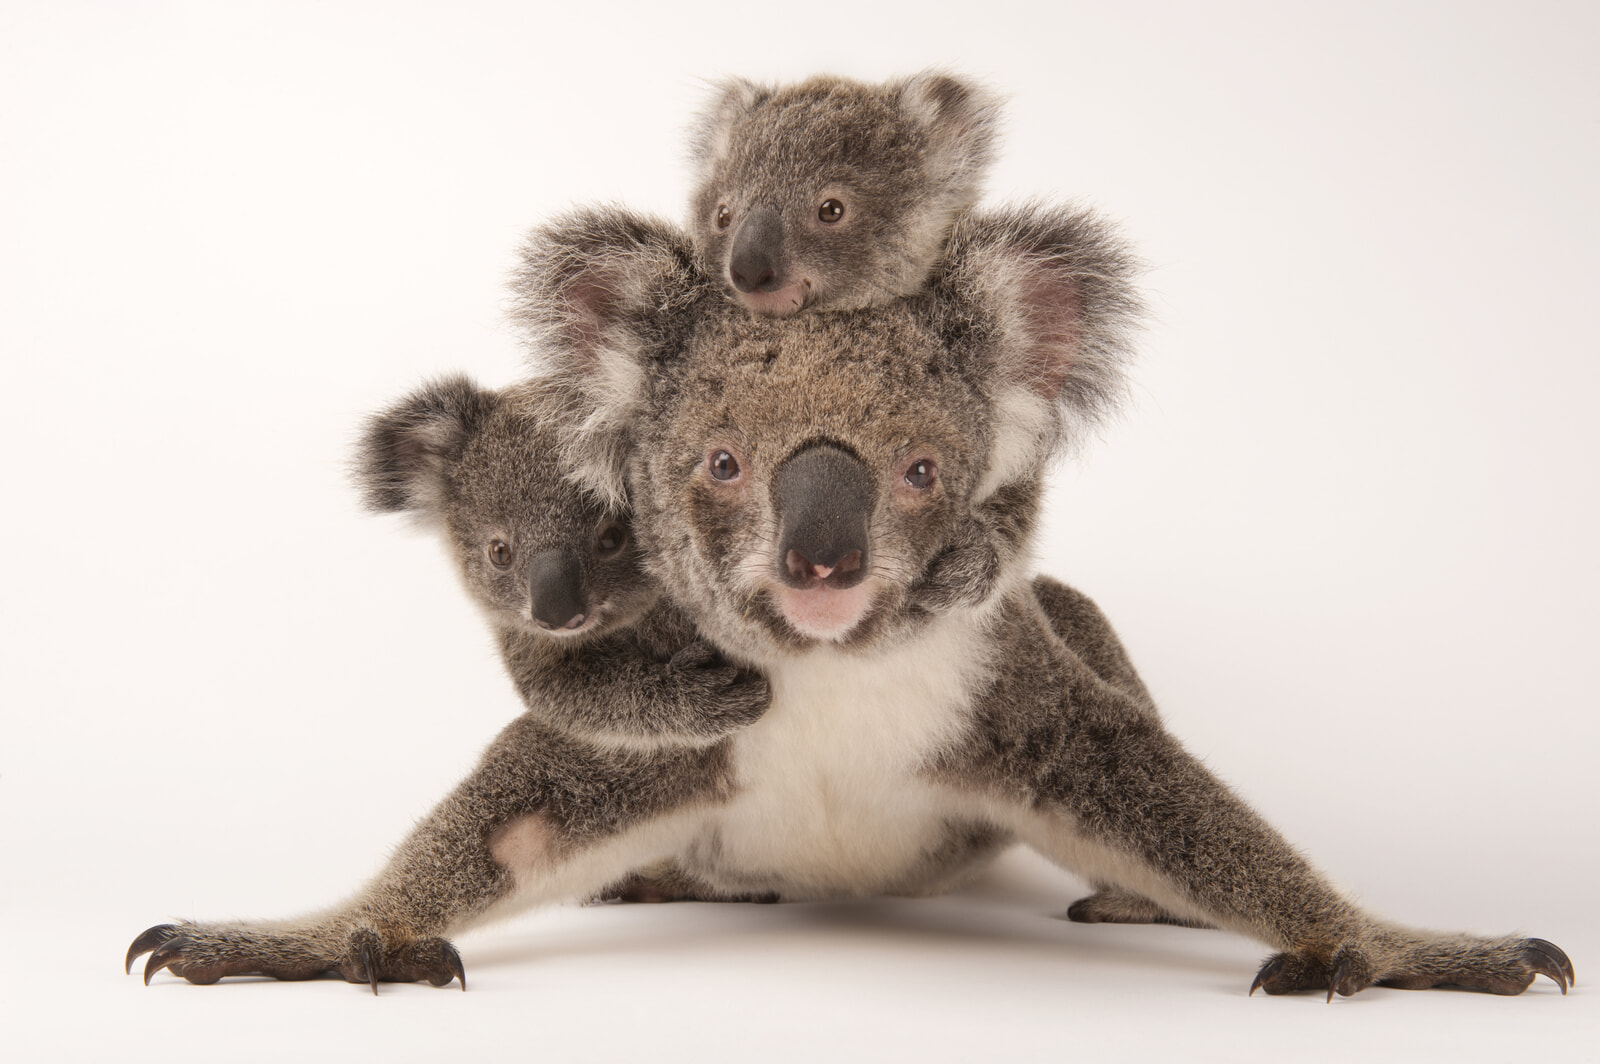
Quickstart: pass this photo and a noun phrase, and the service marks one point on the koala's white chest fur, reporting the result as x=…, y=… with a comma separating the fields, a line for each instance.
x=831, y=801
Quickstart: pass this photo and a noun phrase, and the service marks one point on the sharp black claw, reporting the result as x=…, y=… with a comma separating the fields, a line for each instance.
x=149, y=940
x=1343, y=973
x=1268, y=970
x=1548, y=959
x=453, y=960
x=370, y=968
x=1557, y=955
x=163, y=955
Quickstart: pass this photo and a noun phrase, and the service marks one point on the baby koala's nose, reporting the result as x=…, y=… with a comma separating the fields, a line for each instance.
x=556, y=591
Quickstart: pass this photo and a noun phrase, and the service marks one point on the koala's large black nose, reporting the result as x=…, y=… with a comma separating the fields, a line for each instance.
x=555, y=584
x=757, y=258
x=824, y=496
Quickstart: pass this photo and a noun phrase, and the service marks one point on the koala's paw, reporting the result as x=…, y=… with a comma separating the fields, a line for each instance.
x=1498, y=966
x=963, y=574
x=1115, y=906
x=203, y=954
x=722, y=694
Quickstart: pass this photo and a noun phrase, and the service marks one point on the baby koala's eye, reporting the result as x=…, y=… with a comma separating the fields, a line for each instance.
x=724, y=217
x=922, y=473
x=830, y=211
x=499, y=553
x=723, y=466
x=610, y=540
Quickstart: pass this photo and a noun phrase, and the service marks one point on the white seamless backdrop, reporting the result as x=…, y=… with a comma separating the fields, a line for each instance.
x=1347, y=527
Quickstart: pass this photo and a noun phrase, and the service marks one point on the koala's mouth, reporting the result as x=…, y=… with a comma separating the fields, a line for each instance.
x=823, y=612
x=780, y=302
x=593, y=619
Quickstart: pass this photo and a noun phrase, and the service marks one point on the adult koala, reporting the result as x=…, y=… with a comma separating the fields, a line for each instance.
x=793, y=480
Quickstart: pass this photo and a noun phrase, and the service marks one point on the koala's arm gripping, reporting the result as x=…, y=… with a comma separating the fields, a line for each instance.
x=509, y=832
x=1098, y=785
x=623, y=687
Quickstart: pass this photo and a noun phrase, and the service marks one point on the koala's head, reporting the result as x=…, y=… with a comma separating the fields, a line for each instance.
x=481, y=466
x=793, y=478
x=831, y=192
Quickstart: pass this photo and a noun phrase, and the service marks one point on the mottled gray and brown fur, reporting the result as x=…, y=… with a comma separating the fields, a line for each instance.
x=583, y=629
x=831, y=192
x=901, y=749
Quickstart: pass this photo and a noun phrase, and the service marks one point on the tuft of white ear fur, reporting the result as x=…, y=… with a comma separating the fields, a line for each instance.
x=1021, y=419
x=1053, y=289
x=601, y=294
x=711, y=132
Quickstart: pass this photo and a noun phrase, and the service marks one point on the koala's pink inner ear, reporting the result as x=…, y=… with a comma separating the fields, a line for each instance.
x=1050, y=325
x=591, y=303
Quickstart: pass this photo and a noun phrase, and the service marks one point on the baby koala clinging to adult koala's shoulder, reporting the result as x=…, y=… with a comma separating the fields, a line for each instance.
x=585, y=633
x=835, y=193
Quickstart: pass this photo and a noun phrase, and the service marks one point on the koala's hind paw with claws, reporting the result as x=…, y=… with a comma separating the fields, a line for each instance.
x=1504, y=967
x=205, y=954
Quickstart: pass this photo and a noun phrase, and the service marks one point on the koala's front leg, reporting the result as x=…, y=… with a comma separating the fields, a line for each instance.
x=509, y=832
x=441, y=876
x=1096, y=783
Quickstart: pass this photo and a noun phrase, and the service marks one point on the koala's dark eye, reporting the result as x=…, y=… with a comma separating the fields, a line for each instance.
x=830, y=211
x=610, y=540
x=922, y=473
x=723, y=466
x=724, y=217
x=499, y=553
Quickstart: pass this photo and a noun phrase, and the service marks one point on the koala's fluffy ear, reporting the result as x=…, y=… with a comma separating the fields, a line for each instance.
x=712, y=128
x=1045, y=296
x=404, y=458
x=602, y=294
x=962, y=121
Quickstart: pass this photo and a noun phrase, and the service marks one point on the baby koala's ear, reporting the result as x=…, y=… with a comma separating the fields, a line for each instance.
x=406, y=452
x=961, y=118
x=711, y=131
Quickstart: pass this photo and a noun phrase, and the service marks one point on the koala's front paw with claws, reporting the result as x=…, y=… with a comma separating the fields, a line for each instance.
x=723, y=695
x=1504, y=966
x=204, y=954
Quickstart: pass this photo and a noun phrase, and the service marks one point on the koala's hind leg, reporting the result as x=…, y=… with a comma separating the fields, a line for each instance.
x=1083, y=627
x=1094, y=781
x=1115, y=905
x=542, y=817
x=667, y=882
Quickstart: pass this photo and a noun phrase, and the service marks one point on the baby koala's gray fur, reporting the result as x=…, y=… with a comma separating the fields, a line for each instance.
x=780, y=475
x=831, y=192
x=481, y=468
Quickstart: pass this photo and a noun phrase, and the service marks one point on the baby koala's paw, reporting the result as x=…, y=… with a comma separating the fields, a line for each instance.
x=725, y=695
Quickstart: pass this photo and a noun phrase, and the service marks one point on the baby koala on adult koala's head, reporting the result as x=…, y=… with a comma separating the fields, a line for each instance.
x=835, y=193
x=583, y=629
